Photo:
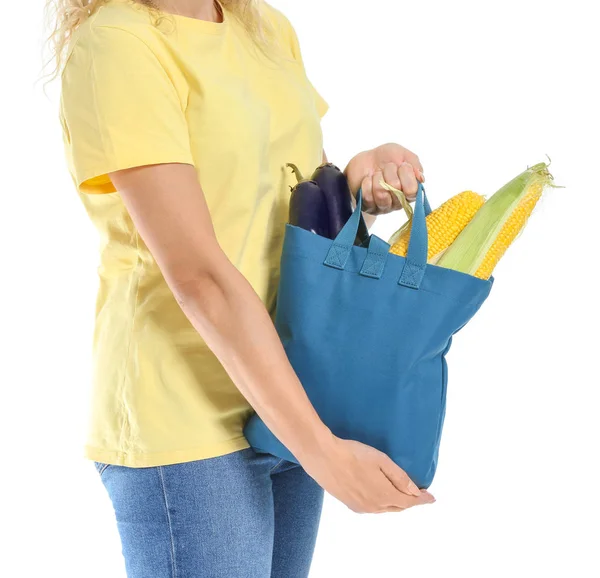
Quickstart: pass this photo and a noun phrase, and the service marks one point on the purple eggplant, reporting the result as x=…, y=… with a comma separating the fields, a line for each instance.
x=334, y=185
x=308, y=207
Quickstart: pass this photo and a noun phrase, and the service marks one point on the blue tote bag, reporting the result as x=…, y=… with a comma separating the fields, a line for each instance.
x=367, y=333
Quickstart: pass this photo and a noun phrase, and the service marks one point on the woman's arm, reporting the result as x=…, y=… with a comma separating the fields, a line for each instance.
x=170, y=213
x=168, y=208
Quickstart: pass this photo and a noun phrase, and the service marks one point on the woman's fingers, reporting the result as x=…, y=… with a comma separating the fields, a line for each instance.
x=368, y=206
x=398, y=502
x=413, y=160
x=410, y=185
x=391, y=509
x=382, y=198
x=405, y=493
x=403, y=501
x=404, y=177
x=398, y=477
x=390, y=176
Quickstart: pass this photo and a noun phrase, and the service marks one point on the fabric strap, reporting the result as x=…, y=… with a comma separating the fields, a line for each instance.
x=378, y=249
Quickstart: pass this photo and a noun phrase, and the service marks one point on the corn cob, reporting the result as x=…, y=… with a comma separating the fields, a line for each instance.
x=443, y=225
x=482, y=243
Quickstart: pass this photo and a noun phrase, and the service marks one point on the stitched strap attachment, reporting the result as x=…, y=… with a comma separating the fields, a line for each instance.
x=376, y=258
x=338, y=254
x=416, y=256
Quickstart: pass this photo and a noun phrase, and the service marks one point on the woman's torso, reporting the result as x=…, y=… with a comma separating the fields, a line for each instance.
x=159, y=395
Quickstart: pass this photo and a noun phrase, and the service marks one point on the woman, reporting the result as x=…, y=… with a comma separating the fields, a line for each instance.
x=178, y=119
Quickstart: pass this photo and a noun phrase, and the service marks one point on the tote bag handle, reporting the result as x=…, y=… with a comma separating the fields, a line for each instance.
x=378, y=250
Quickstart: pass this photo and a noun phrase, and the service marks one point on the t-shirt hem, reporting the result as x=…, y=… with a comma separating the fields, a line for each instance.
x=142, y=460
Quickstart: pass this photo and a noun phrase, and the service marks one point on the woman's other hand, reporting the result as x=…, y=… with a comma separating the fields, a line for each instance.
x=363, y=478
x=392, y=163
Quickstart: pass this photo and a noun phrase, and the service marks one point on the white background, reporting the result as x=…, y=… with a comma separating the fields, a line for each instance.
x=479, y=90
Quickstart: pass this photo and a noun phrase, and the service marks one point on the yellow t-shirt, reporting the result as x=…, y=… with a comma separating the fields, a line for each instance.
x=188, y=91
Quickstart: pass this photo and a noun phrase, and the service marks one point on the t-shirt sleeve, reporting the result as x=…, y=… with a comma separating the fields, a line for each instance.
x=119, y=108
x=321, y=104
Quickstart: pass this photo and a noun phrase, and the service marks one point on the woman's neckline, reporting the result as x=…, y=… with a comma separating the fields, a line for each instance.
x=219, y=7
x=198, y=25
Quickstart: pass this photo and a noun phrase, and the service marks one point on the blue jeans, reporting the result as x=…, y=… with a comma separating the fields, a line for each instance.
x=242, y=515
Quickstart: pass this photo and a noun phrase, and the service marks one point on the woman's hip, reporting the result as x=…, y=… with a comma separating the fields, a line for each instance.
x=213, y=517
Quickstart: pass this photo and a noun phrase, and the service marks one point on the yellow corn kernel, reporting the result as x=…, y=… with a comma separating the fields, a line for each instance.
x=443, y=225
x=511, y=228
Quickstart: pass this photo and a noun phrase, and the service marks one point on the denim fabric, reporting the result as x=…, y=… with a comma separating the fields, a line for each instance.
x=241, y=515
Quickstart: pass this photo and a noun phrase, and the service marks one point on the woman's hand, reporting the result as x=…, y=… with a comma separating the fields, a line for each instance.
x=363, y=478
x=391, y=163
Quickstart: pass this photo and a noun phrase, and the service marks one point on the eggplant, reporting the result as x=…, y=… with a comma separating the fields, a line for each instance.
x=308, y=207
x=334, y=185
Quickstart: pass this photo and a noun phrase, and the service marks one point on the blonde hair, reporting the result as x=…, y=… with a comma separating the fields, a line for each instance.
x=63, y=17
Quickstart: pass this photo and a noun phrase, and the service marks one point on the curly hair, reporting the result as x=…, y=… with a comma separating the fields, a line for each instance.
x=63, y=17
